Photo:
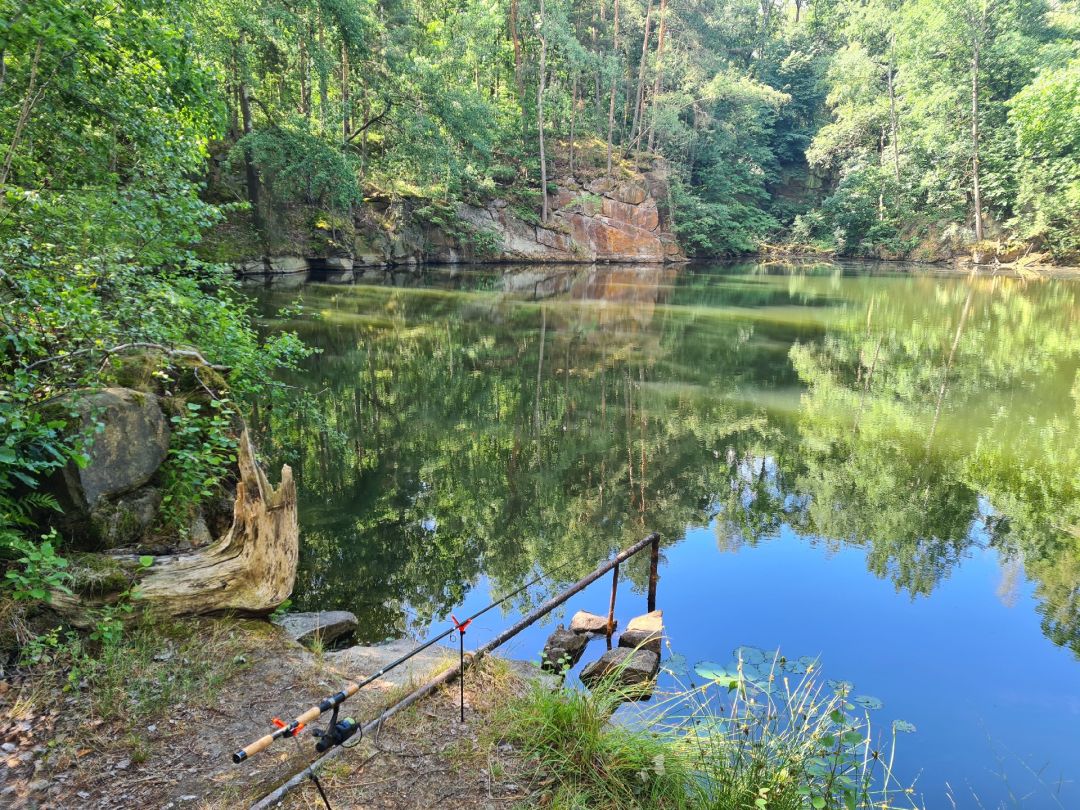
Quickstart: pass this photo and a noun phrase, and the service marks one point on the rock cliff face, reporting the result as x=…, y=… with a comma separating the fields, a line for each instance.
x=618, y=219
x=602, y=220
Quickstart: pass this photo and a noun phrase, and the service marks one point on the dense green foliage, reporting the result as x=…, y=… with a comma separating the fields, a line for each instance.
x=107, y=125
x=860, y=125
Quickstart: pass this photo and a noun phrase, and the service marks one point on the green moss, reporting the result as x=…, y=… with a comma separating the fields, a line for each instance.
x=233, y=240
x=135, y=370
x=95, y=574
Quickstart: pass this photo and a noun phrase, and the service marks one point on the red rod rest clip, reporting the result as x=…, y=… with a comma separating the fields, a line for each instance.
x=460, y=625
x=279, y=723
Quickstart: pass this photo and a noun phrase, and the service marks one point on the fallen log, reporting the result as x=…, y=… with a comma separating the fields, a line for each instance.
x=250, y=569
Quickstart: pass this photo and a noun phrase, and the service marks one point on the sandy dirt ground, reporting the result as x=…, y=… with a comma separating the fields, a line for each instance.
x=56, y=756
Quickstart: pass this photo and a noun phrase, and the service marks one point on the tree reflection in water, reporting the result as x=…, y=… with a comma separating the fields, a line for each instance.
x=486, y=424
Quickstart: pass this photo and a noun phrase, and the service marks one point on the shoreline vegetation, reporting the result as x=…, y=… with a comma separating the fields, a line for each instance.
x=155, y=717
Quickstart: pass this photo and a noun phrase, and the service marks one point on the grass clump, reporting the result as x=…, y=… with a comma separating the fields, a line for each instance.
x=583, y=761
x=765, y=733
x=151, y=667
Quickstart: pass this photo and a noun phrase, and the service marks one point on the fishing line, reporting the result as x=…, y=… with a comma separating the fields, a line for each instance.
x=334, y=701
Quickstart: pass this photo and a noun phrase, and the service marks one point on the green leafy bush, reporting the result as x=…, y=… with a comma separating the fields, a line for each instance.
x=201, y=454
x=299, y=168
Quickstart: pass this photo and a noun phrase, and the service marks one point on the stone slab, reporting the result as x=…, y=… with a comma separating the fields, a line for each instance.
x=585, y=622
x=327, y=625
x=629, y=669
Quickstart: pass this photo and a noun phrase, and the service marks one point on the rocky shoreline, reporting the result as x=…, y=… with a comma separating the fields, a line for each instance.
x=604, y=219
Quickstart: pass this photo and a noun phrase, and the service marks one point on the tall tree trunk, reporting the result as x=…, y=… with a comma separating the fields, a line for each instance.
x=976, y=193
x=250, y=173
x=540, y=115
x=659, y=77
x=595, y=50
x=29, y=99
x=232, y=102
x=635, y=127
x=305, y=79
x=519, y=83
x=324, y=91
x=766, y=14
x=614, y=81
x=573, y=121
x=892, y=123
x=346, y=123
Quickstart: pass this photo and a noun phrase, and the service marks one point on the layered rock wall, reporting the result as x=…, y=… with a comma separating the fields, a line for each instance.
x=618, y=219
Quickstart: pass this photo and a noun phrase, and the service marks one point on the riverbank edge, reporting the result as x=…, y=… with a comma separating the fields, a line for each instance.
x=305, y=269
x=124, y=738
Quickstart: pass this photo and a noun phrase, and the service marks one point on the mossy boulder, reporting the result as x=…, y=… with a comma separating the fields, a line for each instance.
x=130, y=441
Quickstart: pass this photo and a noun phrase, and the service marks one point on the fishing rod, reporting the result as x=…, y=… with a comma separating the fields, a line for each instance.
x=333, y=734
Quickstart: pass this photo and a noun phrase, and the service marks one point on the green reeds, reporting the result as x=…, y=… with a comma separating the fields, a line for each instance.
x=763, y=734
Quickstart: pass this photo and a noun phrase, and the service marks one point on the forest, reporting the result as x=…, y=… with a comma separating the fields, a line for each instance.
x=862, y=129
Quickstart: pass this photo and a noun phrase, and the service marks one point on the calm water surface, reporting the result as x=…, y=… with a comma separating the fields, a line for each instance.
x=880, y=469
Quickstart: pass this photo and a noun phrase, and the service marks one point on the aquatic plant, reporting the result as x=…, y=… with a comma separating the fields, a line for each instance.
x=765, y=732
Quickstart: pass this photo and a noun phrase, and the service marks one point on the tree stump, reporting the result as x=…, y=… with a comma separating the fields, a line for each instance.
x=251, y=569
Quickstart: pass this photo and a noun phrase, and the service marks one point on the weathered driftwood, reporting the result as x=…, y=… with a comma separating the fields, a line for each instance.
x=251, y=569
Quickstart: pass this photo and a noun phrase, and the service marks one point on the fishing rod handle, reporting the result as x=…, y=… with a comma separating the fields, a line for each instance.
x=263, y=743
x=260, y=744
x=311, y=714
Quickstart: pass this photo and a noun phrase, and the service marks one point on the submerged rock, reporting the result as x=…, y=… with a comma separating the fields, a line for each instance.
x=644, y=631
x=563, y=649
x=629, y=669
x=585, y=622
x=326, y=625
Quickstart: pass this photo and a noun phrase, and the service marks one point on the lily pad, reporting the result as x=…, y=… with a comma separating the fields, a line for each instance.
x=676, y=665
x=716, y=672
x=800, y=666
x=903, y=726
x=841, y=687
x=869, y=702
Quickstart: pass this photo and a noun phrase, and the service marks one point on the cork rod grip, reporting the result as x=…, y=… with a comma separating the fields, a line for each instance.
x=259, y=745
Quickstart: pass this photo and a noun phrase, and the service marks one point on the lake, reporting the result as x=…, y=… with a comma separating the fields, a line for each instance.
x=871, y=465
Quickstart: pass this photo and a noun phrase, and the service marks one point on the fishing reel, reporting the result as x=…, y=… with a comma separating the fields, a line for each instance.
x=337, y=733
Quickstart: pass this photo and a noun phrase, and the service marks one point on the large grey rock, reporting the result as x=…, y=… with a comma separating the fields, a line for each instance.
x=585, y=622
x=633, y=670
x=563, y=649
x=251, y=267
x=531, y=673
x=644, y=631
x=363, y=660
x=287, y=264
x=124, y=456
x=339, y=262
x=327, y=625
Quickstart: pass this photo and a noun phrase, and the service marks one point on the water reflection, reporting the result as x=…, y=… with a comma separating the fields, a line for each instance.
x=482, y=423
